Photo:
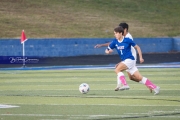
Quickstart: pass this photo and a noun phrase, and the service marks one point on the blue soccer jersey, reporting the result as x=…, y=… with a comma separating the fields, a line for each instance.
x=123, y=48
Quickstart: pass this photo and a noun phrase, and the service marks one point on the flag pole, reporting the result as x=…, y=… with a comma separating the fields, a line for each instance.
x=23, y=55
x=23, y=39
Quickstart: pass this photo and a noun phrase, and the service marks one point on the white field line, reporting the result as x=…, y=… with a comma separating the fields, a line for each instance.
x=90, y=116
x=97, y=105
x=89, y=96
x=7, y=106
x=90, y=90
x=88, y=67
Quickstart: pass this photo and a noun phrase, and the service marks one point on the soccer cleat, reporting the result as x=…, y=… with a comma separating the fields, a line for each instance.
x=156, y=90
x=125, y=87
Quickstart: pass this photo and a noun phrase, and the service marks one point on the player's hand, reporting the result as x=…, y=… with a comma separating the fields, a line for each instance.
x=141, y=60
x=97, y=46
x=108, y=51
x=111, y=51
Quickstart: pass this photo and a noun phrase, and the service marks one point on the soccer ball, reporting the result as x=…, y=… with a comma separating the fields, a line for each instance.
x=84, y=88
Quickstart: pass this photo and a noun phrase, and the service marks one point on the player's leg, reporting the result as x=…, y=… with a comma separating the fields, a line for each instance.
x=150, y=85
x=128, y=63
x=120, y=76
x=146, y=82
x=131, y=77
x=136, y=76
x=131, y=72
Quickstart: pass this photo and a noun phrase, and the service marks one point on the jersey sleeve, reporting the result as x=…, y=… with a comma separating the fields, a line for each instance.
x=132, y=42
x=111, y=45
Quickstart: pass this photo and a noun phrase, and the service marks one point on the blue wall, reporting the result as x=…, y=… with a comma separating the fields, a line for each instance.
x=176, y=44
x=52, y=47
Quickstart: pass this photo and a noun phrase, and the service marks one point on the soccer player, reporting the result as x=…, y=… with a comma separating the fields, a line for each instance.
x=125, y=86
x=123, y=47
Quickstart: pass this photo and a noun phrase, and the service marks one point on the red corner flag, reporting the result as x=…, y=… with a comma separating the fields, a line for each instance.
x=23, y=37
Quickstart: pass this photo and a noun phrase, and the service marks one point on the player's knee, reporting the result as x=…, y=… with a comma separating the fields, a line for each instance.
x=131, y=78
x=135, y=78
x=138, y=78
x=117, y=71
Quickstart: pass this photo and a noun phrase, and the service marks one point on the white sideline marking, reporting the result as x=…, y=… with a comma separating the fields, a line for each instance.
x=91, y=89
x=84, y=67
x=29, y=115
x=91, y=116
x=89, y=96
x=98, y=105
x=7, y=106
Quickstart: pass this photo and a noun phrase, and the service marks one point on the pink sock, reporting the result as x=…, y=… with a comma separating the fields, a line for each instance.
x=122, y=78
x=148, y=83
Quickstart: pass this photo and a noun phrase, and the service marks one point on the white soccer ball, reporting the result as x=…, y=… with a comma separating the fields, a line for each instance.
x=84, y=88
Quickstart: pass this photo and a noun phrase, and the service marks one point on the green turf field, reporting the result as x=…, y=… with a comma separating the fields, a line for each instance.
x=88, y=18
x=54, y=95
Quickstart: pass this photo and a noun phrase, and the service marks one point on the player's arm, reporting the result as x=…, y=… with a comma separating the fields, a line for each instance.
x=140, y=53
x=102, y=45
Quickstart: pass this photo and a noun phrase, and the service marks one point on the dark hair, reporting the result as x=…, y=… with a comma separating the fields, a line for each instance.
x=124, y=25
x=119, y=29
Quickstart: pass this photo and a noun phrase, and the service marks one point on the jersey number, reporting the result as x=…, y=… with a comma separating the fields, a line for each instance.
x=121, y=52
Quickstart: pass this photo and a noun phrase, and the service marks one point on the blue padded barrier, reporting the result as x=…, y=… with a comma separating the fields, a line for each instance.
x=63, y=47
x=176, y=44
